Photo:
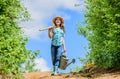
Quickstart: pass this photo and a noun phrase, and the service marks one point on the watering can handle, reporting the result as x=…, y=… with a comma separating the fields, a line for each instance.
x=64, y=54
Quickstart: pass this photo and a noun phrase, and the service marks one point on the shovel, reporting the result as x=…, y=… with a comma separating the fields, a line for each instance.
x=44, y=28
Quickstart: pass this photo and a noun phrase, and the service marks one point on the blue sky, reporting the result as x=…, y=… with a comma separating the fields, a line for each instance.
x=42, y=12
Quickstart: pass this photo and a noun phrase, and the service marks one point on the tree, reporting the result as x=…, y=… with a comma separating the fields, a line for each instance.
x=30, y=65
x=13, y=50
x=102, y=31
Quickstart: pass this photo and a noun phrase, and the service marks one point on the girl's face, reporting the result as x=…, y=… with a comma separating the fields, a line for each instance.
x=58, y=21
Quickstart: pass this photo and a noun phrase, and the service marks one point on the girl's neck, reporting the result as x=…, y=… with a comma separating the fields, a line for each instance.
x=57, y=26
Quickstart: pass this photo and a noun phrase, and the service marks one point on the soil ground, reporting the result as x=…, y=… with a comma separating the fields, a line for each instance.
x=93, y=74
x=47, y=75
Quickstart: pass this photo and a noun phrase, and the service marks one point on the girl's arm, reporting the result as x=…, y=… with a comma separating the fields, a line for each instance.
x=63, y=43
x=50, y=33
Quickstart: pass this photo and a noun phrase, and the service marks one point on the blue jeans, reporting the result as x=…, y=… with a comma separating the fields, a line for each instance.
x=56, y=52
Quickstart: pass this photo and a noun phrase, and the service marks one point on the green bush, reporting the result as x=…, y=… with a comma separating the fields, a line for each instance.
x=102, y=31
x=13, y=50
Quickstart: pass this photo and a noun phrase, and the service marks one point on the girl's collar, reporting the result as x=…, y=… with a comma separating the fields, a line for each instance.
x=57, y=27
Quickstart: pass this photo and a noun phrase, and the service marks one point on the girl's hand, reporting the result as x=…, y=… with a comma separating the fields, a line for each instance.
x=64, y=50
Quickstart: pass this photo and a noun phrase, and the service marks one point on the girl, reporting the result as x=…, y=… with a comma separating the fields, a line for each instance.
x=56, y=33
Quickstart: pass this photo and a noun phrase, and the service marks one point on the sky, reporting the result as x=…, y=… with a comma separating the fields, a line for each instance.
x=42, y=12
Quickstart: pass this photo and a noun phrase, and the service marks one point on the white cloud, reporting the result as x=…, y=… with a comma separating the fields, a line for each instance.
x=43, y=10
x=41, y=64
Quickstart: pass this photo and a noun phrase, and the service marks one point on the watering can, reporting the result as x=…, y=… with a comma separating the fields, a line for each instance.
x=64, y=62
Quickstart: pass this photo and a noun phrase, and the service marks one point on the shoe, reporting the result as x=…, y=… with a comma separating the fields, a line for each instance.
x=54, y=74
x=55, y=70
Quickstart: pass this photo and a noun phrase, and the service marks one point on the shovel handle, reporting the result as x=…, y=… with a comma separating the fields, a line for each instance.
x=45, y=28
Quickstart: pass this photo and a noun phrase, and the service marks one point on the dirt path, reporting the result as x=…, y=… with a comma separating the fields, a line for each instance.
x=47, y=75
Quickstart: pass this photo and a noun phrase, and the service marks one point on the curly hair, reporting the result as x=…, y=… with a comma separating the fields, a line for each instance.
x=62, y=22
